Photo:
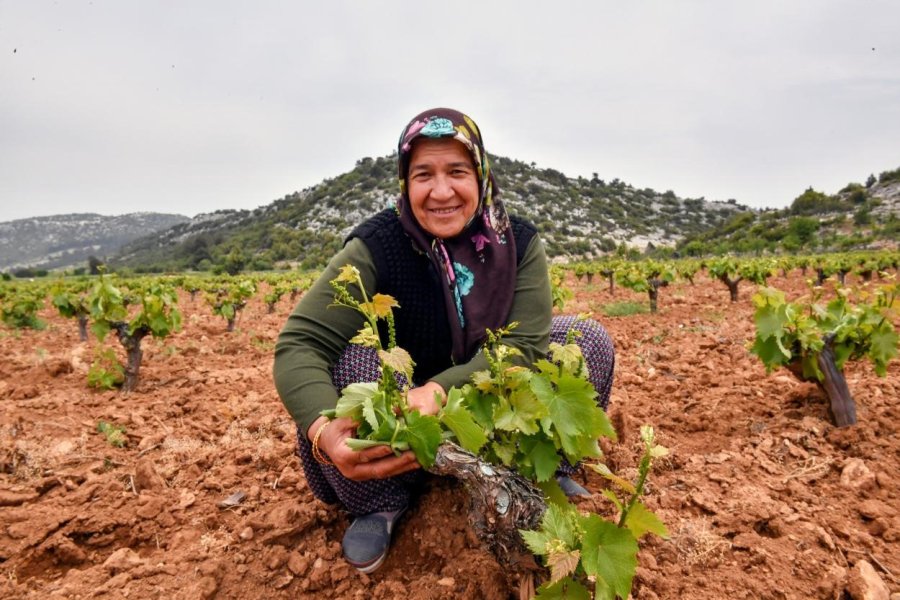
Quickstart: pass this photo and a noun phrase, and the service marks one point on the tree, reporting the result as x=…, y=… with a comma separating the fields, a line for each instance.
x=235, y=262
x=812, y=202
x=803, y=229
x=95, y=265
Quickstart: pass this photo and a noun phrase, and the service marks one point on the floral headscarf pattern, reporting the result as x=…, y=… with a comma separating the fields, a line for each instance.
x=479, y=264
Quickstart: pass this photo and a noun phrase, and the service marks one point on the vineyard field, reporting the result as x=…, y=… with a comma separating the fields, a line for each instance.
x=200, y=495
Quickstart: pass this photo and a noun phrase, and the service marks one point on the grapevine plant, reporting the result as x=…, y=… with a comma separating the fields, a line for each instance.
x=19, y=307
x=509, y=417
x=72, y=303
x=814, y=341
x=157, y=315
x=228, y=299
x=731, y=272
x=647, y=276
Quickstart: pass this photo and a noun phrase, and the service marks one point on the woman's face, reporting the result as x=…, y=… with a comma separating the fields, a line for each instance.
x=442, y=186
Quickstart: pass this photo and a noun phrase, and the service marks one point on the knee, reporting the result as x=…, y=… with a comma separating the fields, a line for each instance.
x=594, y=338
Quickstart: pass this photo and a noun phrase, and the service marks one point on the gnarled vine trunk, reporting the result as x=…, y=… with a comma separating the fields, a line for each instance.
x=502, y=503
x=132, y=344
x=611, y=277
x=843, y=408
x=732, y=285
x=82, y=327
x=653, y=292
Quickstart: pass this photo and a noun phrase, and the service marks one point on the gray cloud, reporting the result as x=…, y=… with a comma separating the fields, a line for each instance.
x=188, y=107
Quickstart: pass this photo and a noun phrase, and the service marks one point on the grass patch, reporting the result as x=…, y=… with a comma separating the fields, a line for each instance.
x=624, y=309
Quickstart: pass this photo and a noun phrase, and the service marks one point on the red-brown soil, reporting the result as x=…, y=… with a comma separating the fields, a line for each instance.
x=762, y=496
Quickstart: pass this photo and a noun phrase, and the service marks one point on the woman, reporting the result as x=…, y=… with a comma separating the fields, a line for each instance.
x=457, y=264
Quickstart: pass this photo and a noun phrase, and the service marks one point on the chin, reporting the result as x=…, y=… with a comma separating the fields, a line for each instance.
x=446, y=231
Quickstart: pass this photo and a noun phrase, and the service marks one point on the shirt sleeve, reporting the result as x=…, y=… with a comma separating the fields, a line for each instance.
x=532, y=310
x=314, y=337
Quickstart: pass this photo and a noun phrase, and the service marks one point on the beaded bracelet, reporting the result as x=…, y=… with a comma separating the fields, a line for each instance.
x=317, y=453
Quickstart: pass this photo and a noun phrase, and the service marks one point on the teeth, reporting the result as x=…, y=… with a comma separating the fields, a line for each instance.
x=443, y=211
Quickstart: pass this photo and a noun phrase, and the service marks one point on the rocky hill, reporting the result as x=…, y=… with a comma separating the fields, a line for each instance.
x=68, y=240
x=859, y=216
x=577, y=217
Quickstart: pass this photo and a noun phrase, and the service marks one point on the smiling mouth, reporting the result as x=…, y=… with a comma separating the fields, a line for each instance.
x=444, y=211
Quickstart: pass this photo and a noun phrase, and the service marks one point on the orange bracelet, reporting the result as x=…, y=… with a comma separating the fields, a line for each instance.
x=317, y=453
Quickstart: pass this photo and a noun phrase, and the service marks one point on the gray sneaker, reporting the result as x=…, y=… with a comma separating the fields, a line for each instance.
x=570, y=487
x=367, y=540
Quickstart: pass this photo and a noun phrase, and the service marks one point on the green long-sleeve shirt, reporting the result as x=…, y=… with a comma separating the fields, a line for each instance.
x=316, y=334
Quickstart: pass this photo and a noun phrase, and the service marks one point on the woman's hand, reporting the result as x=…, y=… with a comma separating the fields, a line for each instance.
x=423, y=398
x=379, y=462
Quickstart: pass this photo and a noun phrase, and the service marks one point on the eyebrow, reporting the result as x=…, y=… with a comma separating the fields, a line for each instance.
x=454, y=165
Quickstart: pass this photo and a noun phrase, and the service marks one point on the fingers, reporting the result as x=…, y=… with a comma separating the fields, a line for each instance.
x=428, y=398
x=378, y=462
x=382, y=468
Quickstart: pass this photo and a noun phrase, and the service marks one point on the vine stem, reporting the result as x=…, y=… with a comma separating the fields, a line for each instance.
x=643, y=471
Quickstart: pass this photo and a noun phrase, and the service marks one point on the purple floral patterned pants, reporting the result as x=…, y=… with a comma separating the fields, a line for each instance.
x=361, y=364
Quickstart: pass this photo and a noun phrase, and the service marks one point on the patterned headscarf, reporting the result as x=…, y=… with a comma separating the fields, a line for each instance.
x=479, y=264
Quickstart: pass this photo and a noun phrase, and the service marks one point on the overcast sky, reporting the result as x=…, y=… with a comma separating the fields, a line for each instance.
x=117, y=106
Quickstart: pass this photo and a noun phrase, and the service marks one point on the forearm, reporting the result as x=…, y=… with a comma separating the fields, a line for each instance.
x=314, y=337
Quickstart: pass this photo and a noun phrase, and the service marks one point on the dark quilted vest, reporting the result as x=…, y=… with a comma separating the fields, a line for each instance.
x=409, y=276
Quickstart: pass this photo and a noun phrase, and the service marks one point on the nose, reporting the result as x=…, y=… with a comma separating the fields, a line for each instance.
x=442, y=188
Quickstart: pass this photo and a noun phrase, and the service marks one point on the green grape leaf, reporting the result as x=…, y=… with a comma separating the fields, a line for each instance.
x=100, y=329
x=771, y=321
x=545, y=366
x=504, y=452
x=483, y=381
x=460, y=421
x=368, y=413
x=770, y=352
x=602, y=425
x=542, y=455
x=480, y=405
x=569, y=356
x=641, y=520
x=358, y=444
x=228, y=311
x=609, y=553
x=521, y=413
x=560, y=523
x=611, y=496
x=423, y=434
x=350, y=404
x=385, y=430
x=553, y=493
x=536, y=541
x=572, y=409
x=883, y=349
x=842, y=352
x=564, y=589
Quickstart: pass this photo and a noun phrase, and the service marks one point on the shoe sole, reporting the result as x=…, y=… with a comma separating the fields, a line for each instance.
x=373, y=567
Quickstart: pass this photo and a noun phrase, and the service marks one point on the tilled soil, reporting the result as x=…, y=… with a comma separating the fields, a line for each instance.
x=762, y=496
